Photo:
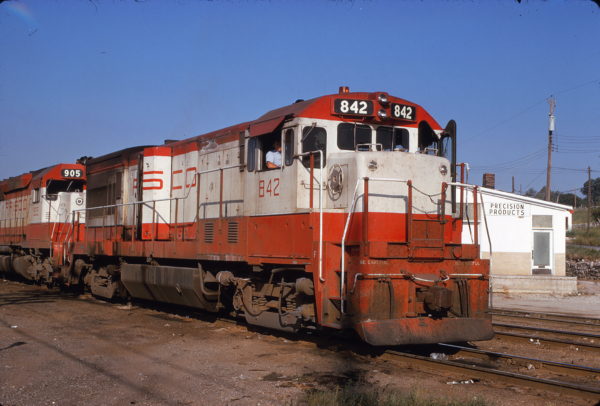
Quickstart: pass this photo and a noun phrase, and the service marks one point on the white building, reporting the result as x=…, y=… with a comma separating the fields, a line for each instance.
x=525, y=240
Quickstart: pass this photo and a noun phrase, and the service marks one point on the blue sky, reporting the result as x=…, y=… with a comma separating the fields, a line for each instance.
x=82, y=77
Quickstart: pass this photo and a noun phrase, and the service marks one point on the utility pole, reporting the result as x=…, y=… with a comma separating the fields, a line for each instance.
x=552, y=104
x=513, y=184
x=589, y=213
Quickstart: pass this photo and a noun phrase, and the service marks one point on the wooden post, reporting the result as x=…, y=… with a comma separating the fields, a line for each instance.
x=589, y=211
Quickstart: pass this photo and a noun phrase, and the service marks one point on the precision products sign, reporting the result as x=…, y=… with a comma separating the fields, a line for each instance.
x=510, y=209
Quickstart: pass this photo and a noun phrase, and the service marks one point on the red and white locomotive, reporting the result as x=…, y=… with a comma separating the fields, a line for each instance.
x=359, y=228
x=36, y=222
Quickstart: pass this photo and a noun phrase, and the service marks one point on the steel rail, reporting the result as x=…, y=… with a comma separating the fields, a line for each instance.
x=580, y=391
x=557, y=317
x=559, y=367
x=550, y=342
x=535, y=329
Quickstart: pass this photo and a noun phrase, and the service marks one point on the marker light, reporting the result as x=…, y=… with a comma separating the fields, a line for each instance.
x=383, y=99
x=443, y=170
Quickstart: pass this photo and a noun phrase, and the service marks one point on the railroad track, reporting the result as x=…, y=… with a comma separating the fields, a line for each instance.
x=459, y=363
x=553, y=317
x=548, y=337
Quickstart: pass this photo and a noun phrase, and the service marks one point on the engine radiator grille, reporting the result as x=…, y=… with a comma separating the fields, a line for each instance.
x=209, y=232
x=233, y=233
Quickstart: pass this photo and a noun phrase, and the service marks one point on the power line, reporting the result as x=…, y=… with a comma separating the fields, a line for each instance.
x=534, y=179
x=513, y=162
x=578, y=86
x=574, y=169
x=567, y=150
x=526, y=109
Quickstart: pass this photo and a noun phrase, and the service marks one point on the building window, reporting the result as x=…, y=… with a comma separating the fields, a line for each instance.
x=541, y=221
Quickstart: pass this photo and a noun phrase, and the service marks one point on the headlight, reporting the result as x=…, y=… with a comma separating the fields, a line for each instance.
x=383, y=99
x=443, y=170
x=382, y=113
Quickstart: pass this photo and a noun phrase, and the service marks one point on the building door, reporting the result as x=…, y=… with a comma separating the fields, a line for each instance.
x=542, y=252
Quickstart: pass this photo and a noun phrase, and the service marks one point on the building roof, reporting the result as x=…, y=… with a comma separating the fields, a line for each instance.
x=525, y=199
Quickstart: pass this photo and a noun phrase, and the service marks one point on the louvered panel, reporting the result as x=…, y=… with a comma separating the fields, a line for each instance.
x=209, y=232
x=233, y=233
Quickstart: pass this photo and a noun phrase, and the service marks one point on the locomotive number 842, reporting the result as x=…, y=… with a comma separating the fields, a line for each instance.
x=340, y=212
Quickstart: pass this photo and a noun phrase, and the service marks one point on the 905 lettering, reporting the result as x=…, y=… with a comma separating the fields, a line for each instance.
x=71, y=173
x=353, y=107
x=403, y=111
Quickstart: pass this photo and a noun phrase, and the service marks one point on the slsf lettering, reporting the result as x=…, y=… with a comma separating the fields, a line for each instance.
x=270, y=188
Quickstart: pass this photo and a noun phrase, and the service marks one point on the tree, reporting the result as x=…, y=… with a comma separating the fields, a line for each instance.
x=595, y=190
x=569, y=199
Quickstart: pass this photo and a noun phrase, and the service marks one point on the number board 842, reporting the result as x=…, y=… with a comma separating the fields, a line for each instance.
x=403, y=111
x=353, y=107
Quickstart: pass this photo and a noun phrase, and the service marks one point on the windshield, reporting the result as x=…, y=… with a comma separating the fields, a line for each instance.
x=54, y=187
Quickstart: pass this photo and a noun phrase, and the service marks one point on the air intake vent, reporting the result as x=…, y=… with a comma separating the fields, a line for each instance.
x=209, y=232
x=232, y=233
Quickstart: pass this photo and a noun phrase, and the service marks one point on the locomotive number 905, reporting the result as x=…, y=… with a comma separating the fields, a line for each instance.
x=72, y=173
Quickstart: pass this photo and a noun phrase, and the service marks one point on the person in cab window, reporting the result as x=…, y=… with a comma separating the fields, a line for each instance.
x=274, y=156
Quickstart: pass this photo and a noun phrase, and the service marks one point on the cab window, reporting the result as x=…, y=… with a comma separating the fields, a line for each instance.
x=288, y=141
x=252, y=152
x=55, y=186
x=392, y=139
x=428, y=140
x=354, y=137
x=314, y=139
x=35, y=195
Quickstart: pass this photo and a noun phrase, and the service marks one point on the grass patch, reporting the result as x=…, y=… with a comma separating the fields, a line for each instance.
x=575, y=253
x=580, y=216
x=368, y=396
x=584, y=237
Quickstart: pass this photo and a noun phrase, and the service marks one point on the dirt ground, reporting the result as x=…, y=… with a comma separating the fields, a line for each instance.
x=61, y=349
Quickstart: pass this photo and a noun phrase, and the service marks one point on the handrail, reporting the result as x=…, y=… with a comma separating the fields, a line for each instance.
x=147, y=203
x=347, y=225
x=351, y=213
x=477, y=190
x=157, y=200
x=311, y=153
